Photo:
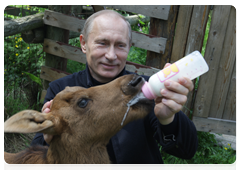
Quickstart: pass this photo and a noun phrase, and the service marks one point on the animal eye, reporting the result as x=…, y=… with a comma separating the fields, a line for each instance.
x=83, y=103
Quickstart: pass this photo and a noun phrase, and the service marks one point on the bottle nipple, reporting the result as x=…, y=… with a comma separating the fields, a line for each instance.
x=146, y=89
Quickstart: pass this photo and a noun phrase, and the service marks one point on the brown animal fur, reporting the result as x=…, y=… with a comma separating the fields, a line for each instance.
x=80, y=134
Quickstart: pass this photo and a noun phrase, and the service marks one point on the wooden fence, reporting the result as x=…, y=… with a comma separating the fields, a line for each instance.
x=175, y=31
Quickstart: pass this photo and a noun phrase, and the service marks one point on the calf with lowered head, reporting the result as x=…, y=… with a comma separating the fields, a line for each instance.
x=82, y=122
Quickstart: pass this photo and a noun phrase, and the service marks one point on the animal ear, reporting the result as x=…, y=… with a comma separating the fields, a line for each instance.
x=29, y=121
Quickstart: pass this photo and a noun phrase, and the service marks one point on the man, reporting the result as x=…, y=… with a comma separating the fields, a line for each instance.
x=106, y=40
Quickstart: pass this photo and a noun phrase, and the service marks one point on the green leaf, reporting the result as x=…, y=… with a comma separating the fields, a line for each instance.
x=141, y=16
x=141, y=22
x=34, y=78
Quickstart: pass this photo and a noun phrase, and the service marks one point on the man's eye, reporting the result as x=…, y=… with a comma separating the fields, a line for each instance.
x=83, y=103
x=102, y=43
x=121, y=45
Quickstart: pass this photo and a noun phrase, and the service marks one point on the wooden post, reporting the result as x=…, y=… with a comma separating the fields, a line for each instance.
x=213, y=56
x=225, y=68
x=57, y=34
x=181, y=33
x=164, y=29
x=230, y=105
x=195, y=41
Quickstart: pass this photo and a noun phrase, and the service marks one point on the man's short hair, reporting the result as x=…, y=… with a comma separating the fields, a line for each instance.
x=88, y=24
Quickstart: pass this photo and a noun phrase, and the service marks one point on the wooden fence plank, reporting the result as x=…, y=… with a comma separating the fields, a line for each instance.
x=74, y=53
x=224, y=141
x=197, y=28
x=64, y=50
x=195, y=41
x=51, y=74
x=141, y=69
x=215, y=125
x=164, y=29
x=43, y=94
x=212, y=55
x=57, y=34
x=155, y=11
x=230, y=105
x=181, y=34
x=97, y=8
x=148, y=42
x=226, y=66
x=145, y=41
x=60, y=20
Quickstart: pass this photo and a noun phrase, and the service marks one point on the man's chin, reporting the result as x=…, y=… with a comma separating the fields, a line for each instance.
x=109, y=75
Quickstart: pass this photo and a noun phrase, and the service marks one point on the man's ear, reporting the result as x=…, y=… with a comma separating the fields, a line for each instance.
x=130, y=45
x=83, y=43
x=29, y=121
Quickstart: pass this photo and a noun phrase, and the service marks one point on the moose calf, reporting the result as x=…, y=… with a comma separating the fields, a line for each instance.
x=82, y=122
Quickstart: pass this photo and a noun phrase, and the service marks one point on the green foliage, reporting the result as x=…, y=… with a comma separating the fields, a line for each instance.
x=34, y=78
x=75, y=42
x=22, y=64
x=73, y=66
x=137, y=55
x=13, y=105
x=208, y=152
x=206, y=33
x=19, y=58
x=25, y=7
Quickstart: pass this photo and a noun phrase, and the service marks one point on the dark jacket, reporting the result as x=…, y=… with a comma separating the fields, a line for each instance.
x=137, y=142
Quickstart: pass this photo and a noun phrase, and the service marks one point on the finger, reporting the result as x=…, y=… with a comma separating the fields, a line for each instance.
x=46, y=105
x=172, y=105
x=178, y=98
x=186, y=82
x=176, y=87
x=47, y=110
x=47, y=138
x=166, y=65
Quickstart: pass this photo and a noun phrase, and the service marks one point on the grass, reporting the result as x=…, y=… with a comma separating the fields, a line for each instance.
x=208, y=152
x=15, y=142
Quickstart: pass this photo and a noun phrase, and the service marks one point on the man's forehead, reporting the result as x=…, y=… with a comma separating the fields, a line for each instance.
x=110, y=16
x=107, y=20
x=108, y=23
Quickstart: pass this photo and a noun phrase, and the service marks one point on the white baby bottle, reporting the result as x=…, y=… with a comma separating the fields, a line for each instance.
x=191, y=66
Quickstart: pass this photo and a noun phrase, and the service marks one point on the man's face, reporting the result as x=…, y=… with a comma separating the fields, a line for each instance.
x=107, y=47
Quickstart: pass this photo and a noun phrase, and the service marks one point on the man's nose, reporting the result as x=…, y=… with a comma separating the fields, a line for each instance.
x=111, y=54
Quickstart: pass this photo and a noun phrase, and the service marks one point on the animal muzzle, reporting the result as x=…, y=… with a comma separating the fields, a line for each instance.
x=132, y=84
x=136, y=81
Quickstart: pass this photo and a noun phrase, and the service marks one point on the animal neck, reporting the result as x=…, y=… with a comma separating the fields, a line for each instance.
x=76, y=152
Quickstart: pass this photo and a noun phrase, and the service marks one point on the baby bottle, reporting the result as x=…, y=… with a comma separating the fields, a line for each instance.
x=191, y=66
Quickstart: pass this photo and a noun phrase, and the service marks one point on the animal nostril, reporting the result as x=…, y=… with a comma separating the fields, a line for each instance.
x=136, y=81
